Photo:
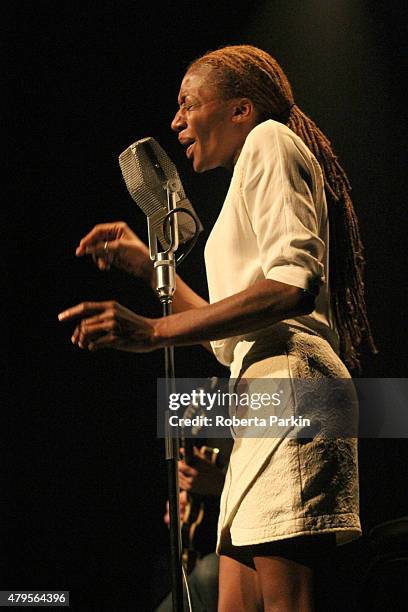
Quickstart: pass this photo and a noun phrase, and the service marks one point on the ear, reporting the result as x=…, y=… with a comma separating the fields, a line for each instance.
x=243, y=110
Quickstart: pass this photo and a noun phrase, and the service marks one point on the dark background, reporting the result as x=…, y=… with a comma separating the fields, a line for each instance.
x=84, y=477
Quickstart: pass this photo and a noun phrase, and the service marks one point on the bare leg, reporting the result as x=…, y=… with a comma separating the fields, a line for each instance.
x=286, y=586
x=238, y=587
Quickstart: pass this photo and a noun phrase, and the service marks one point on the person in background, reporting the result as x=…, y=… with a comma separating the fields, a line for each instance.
x=201, y=483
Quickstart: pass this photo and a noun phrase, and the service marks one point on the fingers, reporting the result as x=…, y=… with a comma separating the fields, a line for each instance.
x=101, y=233
x=97, y=331
x=103, y=249
x=186, y=470
x=102, y=263
x=97, y=335
x=115, y=243
x=109, y=340
x=103, y=253
x=182, y=505
x=111, y=325
x=186, y=483
x=84, y=309
x=187, y=475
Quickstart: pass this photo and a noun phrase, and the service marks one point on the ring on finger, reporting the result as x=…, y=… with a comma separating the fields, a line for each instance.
x=108, y=255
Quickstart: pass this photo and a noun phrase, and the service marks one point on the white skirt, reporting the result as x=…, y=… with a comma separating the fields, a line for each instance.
x=281, y=486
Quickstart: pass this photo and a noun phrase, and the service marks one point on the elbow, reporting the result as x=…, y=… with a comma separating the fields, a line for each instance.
x=301, y=302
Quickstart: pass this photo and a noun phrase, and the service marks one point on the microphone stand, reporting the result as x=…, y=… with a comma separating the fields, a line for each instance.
x=165, y=285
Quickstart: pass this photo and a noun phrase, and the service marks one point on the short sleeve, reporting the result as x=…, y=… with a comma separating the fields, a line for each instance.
x=280, y=195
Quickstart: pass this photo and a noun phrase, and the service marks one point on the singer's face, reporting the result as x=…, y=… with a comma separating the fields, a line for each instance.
x=205, y=124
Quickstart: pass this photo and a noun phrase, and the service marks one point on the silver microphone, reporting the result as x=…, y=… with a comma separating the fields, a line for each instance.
x=149, y=174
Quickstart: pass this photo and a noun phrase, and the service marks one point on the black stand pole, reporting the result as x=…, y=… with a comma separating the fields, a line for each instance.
x=172, y=450
x=165, y=272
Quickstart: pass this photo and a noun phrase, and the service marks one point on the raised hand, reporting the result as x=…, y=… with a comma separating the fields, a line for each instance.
x=116, y=244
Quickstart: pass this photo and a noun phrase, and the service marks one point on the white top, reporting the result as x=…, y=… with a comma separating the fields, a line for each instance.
x=273, y=224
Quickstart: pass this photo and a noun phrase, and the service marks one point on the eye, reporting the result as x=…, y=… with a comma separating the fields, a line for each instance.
x=188, y=106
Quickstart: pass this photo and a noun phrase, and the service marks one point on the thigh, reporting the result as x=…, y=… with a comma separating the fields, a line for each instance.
x=273, y=576
x=285, y=585
x=286, y=570
x=239, y=589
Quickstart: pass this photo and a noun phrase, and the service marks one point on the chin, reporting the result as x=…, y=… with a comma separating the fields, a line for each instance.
x=200, y=166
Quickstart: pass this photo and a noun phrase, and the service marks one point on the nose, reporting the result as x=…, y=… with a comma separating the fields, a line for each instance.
x=179, y=121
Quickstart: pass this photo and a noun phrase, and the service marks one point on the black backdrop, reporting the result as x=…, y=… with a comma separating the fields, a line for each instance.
x=84, y=479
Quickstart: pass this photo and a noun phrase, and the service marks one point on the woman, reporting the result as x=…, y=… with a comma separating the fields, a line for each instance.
x=275, y=312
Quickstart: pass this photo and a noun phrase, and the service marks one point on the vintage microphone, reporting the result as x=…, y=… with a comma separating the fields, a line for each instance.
x=154, y=184
x=147, y=168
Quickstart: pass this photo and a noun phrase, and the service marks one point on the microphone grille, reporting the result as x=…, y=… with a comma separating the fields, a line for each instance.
x=147, y=170
x=144, y=177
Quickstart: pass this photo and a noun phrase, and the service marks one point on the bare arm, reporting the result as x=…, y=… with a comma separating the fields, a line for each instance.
x=186, y=298
x=116, y=244
x=264, y=303
x=110, y=325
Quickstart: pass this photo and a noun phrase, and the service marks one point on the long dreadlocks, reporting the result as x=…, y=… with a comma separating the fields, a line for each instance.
x=246, y=71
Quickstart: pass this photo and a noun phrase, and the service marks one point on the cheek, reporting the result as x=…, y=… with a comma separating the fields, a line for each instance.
x=209, y=139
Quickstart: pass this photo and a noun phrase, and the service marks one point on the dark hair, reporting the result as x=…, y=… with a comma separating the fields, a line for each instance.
x=246, y=71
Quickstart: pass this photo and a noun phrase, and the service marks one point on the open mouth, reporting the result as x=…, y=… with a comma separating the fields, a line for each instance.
x=188, y=144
